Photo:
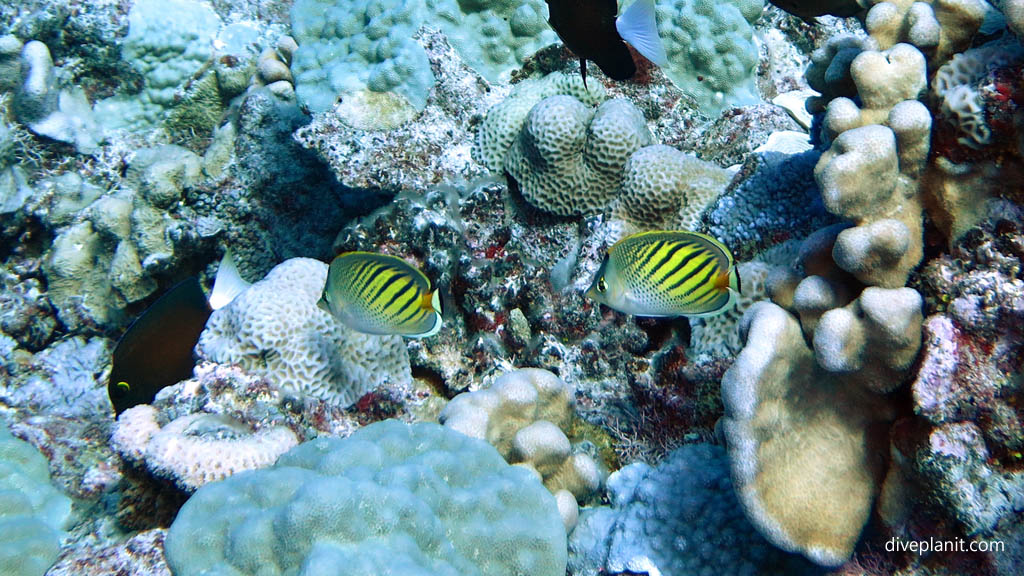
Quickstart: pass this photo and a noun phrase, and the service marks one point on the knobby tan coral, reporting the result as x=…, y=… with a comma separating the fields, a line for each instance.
x=524, y=414
x=804, y=458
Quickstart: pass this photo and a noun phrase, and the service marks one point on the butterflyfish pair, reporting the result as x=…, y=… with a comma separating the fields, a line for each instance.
x=380, y=294
x=591, y=30
x=157, y=349
x=667, y=273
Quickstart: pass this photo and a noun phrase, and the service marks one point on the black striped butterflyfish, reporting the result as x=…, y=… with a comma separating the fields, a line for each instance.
x=591, y=30
x=381, y=294
x=667, y=273
x=157, y=349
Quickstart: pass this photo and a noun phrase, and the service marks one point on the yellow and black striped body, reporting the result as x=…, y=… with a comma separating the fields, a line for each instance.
x=381, y=294
x=667, y=273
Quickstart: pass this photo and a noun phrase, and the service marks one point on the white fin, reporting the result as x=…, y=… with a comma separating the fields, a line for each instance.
x=228, y=283
x=638, y=26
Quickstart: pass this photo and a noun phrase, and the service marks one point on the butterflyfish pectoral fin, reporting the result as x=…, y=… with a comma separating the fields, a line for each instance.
x=638, y=26
x=228, y=283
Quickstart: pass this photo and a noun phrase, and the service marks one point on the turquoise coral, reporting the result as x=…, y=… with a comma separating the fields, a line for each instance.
x=711, y=49
x=347, y=47
x=390, y=499
x=33, y=514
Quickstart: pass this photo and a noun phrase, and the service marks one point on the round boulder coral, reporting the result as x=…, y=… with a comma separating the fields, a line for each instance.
x=390, y=499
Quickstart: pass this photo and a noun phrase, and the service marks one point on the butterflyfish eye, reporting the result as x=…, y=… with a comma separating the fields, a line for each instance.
x=601, y=284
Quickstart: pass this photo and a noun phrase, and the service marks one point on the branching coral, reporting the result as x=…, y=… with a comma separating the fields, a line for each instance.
x=870, y=173
x=803, y=457
x=938, y=28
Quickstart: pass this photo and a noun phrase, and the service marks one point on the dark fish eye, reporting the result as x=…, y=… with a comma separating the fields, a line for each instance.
x=601, y=285
x=124, y=385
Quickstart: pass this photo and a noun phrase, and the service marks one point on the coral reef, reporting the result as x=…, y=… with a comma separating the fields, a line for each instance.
x=275, y=329
x=679, y=518
x=526, y=414
x=33, y=514
x=876, y=224
x=419, y=499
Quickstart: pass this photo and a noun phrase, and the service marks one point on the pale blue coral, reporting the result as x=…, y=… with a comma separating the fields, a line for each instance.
x=711, y=49
x=33, y=514
x=390, y=499
x=347, y=46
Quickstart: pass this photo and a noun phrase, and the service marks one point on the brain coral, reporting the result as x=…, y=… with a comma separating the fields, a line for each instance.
x=663, y=188
x=568, y=158
x=32, y=513
x=275, y=329
x=392, y=498
x=503, y=120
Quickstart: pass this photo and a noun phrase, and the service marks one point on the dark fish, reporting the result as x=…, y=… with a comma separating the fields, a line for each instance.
x=156, y=350
x=590, y=29
x=667, y=273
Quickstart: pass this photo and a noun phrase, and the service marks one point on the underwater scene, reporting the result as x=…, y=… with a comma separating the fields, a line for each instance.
x=511, y=287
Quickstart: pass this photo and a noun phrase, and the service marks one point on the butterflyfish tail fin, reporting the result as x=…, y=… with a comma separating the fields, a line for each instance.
x=228, y=284
x=639, y=27
x=431, y=301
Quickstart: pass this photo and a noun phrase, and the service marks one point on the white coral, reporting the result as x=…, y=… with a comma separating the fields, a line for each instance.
x=196, y=449
x=275, y=329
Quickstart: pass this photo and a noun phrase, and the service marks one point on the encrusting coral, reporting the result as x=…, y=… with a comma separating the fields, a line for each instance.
x=525, y=415
x=196, y=449
x=119, y=243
